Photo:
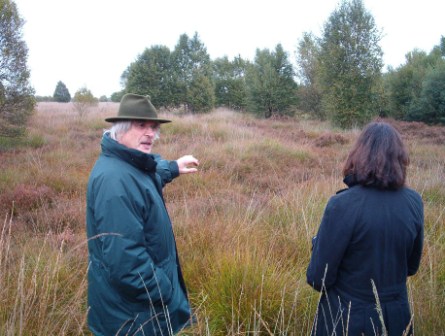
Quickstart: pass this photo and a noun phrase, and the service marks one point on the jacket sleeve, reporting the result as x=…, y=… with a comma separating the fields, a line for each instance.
x=166, y=169
x=328, y=247
x=125, y=257
x=414, y=258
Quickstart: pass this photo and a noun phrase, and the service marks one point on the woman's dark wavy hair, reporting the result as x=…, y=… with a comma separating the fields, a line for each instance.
x=378, y=158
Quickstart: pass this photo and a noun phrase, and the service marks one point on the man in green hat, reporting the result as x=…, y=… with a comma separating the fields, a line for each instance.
x=135, y=283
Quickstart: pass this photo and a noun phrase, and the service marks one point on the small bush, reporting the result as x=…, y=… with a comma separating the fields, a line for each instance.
x=24, y=198
x=31, y=141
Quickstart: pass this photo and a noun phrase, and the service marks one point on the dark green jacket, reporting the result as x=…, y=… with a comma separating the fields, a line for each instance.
x=134, y=276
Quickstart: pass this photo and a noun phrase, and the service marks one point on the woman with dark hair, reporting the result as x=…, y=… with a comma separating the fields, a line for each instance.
x=369, y=241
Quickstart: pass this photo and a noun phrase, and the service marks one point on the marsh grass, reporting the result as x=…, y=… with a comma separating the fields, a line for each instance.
x=243, y=224
x=43, y=285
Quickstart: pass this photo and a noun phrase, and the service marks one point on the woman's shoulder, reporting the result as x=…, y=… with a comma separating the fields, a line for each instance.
x=410, y=191
x=343, y=198
x=412, y=194
x=349, y=192
x=356, y=194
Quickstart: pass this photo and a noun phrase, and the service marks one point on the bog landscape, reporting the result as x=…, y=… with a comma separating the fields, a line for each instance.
x=243, y=224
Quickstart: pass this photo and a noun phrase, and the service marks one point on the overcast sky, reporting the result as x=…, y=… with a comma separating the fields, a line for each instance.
x=89, y=43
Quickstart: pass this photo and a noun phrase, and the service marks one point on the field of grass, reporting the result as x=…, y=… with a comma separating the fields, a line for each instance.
x=243, y=224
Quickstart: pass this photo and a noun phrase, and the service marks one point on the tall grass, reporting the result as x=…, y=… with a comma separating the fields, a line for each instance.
x=243, y=223
x=42, y=285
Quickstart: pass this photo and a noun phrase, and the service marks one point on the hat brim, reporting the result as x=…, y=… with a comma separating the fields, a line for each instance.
x=114, y=119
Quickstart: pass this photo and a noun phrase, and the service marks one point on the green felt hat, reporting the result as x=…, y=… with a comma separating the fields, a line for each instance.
x=136, y=107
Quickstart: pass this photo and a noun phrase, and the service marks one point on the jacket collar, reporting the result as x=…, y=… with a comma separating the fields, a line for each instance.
x=350, y=180
x=140, y=160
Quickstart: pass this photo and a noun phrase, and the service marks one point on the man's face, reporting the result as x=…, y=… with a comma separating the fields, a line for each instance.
x=140, y=136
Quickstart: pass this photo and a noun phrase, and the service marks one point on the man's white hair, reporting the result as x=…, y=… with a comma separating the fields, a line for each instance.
x=122, y=127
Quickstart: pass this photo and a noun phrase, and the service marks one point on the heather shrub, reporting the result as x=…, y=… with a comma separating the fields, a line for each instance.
x=25, y=198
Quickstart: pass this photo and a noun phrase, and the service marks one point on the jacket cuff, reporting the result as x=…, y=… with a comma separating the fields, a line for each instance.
x=174, y=169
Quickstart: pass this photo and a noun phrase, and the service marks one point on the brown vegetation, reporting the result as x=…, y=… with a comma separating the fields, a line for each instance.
x=243, y=223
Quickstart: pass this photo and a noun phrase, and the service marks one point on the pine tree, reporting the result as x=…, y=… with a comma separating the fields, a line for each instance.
x=201, y=94
x=151, y=74
x=430, y=107
x=406, y=86
x=271, y=87
x=61, y=93
x=191, y=62
x=230, y=82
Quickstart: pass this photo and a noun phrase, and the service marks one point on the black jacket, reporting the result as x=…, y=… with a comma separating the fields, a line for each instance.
x=367, y=236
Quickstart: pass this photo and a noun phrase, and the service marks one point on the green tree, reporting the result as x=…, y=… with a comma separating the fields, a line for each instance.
x=191, y=62
x=271, y=87
x=83, y=101
x=16, y=95
x=442, y=46
x=431, y=104
x=230, y=82
x=350, y=65
x=44, y=99
x=404, y=85
x=152, y=74
x=117, y=96
x=61, y=93
x=201, y=94
x=309, y=92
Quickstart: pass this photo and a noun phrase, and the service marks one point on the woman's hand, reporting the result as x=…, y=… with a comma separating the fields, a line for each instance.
x=187, y=164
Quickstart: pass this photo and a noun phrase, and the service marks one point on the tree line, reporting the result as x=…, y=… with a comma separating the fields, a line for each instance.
x=342, y=79
x=337, y=76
